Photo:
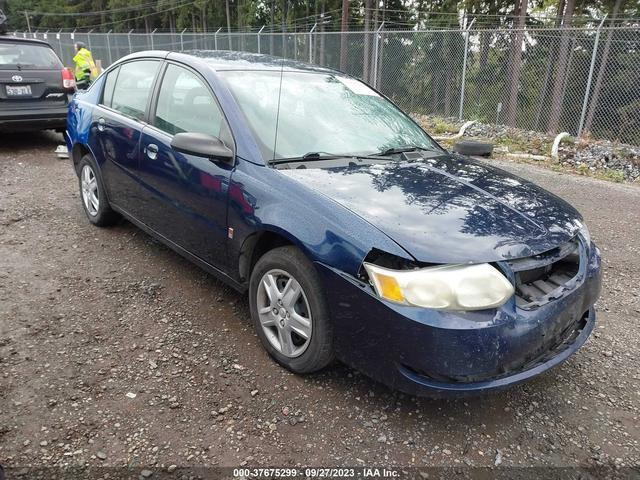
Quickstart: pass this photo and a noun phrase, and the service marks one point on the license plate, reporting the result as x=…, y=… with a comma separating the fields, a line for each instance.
x=18, y=90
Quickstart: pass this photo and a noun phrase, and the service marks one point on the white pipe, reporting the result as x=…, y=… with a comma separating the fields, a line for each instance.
x=556, y=144
x=459, y=134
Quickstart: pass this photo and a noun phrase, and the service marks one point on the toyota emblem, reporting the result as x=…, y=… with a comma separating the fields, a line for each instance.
x=16, y=78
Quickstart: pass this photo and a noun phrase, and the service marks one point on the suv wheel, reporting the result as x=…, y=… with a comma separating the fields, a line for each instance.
x=289, y=311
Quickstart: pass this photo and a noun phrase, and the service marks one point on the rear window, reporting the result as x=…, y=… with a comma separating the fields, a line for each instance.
x=27, y=56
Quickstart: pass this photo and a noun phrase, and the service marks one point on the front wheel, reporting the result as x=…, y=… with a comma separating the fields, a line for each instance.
x=289, y=310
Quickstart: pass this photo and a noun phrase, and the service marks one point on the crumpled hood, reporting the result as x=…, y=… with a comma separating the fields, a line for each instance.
x=449, y=209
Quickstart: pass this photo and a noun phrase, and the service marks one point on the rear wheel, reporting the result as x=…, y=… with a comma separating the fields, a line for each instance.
x=94, y=200
x=289, y=311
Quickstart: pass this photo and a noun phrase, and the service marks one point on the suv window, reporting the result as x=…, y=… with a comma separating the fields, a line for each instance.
x=27, y=56
x=133, y=87
x=185, y=104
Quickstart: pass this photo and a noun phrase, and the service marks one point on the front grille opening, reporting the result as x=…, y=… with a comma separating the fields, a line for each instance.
x=547, y=276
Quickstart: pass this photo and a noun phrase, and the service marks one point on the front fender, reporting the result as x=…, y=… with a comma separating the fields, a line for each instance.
x=263, y=200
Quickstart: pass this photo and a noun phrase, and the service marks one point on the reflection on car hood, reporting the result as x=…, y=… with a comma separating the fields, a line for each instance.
x=448, y=208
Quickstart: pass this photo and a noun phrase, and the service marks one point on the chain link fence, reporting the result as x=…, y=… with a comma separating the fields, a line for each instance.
x=579, y=80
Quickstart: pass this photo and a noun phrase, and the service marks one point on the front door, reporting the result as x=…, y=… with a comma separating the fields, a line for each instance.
x=186, y=195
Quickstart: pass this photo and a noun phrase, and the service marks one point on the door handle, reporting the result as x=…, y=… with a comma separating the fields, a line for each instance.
x=152, y=151
x=101, y=124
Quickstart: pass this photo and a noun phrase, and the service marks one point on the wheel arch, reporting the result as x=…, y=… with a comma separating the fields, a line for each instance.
x=259, y=243
x=78, y=151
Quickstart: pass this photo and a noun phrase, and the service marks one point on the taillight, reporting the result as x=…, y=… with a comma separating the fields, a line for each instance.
x=68, y=80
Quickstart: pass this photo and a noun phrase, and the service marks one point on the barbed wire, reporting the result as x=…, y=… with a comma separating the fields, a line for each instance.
x=330, y=20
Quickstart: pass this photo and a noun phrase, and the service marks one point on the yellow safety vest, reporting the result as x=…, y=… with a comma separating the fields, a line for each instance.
x=84, y=61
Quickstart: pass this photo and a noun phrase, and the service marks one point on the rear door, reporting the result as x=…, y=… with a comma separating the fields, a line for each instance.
x=186, y=195
x=117, y=124
x=30, y=77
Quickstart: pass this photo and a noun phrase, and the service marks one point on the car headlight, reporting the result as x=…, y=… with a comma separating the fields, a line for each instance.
x=443, y=287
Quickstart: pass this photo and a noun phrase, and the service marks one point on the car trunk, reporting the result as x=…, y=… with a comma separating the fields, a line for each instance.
x=29, y=89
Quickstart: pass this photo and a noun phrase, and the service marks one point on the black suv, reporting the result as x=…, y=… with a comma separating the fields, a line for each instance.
x=34, y=85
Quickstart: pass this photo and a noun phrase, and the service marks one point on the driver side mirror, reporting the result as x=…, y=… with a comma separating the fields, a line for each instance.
x=202, y=145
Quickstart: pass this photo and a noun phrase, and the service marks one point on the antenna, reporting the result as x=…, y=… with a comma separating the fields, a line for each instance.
x=275, y=140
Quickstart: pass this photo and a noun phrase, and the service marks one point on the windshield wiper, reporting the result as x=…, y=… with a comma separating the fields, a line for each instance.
x=403, y=149
x=314, y=156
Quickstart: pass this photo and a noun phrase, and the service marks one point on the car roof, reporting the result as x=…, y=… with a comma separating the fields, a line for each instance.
x=10, y=38
x=221, y=60
x=224, y=60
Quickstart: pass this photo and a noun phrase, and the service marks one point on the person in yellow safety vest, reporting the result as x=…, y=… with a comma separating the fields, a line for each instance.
x=85, y=67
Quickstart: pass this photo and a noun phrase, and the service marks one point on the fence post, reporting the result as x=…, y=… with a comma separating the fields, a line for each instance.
x=109, y=47
x=152, y=45
x=464, y=67
x=311, y=42
x=376, y=51
x=129, y=40
x=259, y=32
x=89, y=40
x=215, y=38
x=590, y=77
x=59, y=38
x=181, y=40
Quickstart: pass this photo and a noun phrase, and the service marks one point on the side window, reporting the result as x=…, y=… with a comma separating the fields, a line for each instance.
x=133, y=87
x=185, y=104
x=109, y=83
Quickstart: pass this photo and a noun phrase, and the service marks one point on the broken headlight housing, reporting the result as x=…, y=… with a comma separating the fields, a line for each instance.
x=443, y=287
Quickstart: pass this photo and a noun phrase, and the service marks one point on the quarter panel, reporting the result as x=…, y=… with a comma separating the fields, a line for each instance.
x=80, y=114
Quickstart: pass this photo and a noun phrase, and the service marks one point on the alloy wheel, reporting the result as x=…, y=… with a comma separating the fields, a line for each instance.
x=285, y=316
x=89, y=184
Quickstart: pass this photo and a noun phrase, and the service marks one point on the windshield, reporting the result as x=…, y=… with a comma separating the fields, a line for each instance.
x=27, y=56
x=320, y=112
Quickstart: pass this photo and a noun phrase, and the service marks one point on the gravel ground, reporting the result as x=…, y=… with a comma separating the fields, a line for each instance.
x=115, y=351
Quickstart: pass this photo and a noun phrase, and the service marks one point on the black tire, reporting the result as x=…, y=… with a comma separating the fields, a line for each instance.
x=104, y=216
x=319, y=352
x=472, y=147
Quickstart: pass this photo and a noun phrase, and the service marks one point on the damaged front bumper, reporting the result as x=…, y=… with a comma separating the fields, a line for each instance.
x=433, y=353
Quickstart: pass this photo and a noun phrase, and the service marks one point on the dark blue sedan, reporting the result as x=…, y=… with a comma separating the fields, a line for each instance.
x=356, y=236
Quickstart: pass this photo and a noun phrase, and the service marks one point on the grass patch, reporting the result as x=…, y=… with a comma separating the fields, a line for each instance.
x=516, y=143
x=437, y=126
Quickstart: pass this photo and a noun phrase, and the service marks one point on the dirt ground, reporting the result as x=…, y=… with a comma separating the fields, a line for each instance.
x=116, y=351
